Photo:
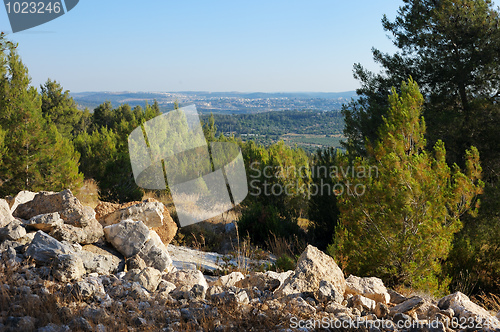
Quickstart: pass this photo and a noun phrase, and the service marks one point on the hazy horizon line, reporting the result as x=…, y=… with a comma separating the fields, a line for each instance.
x=205, y=91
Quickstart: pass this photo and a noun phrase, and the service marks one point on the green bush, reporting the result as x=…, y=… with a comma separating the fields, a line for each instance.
x=285, y=263
x=260, y=221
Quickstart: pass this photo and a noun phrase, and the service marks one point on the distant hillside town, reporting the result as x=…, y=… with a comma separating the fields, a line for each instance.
x=220, y=102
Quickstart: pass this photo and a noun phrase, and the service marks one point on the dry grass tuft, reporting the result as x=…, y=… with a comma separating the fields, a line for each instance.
x=281, y=246
x=410, y=292
x=160, y=196
x=88, y=193
x=466, y=282
x=489, y=301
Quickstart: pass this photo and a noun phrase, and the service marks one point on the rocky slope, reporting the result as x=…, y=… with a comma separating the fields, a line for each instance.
x=66, y=268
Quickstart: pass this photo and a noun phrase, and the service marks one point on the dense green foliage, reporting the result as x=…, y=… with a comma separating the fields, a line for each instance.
x=278, y=178
x=59, y=108
x=35, y=156
x=323, y=211
x=452, y=49
x=281, y=122
x=401, y=226
x=104, y=149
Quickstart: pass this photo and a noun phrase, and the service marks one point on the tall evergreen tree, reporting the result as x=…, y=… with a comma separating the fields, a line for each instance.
x=59, y=107
x=323, y=211
x=31, y=143
x=103, y=116
x=210, y=129
x=399, y=224
x=452, y=49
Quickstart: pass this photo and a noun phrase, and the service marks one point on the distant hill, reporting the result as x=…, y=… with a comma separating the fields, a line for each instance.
x=220, y=102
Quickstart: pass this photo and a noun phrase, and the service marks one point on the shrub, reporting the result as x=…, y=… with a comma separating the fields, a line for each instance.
x=285, y=263
x=261, y=221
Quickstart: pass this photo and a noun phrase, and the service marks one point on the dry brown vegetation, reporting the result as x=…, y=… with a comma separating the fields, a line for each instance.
x=88, y=193
x=489, y=301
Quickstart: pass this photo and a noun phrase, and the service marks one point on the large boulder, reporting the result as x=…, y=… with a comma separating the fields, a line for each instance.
x=68, y=267
x=280, y=276
x=45, y=222
x=150, y=213
x=135, y=262
x=100, y=261
x=186, y=278
x=372, y=288
x=69, y=207
x=128, y=236
x=327, y=292
x=21, y=198
x=88, y=288
x=301, y=307
x=428, y=310
x=313, y=267
x=5, y=213
x=104, y=208
x=396, y=298
x=166, y=231
x=13, y=231
x=229, y=280
x=88, y=234
x=88, y=218
x=361, y=303
x=44, y=248
x=155, y=253
x=408, y=307
x=467, y=310
x=149, y=278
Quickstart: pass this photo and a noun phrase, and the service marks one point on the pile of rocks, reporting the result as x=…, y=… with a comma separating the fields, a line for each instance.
x=54, y=245
x=56, y=230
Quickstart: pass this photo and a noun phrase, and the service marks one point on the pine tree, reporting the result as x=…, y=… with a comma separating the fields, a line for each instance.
x=36, y=157
x=399, y=222
x=59, y=107
x=103, y=116
x=59, y=163
x=323, y=211
x=452, y=49
x=210, y=129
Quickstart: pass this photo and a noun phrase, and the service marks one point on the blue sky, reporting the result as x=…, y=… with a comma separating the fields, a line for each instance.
x=267, y=46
